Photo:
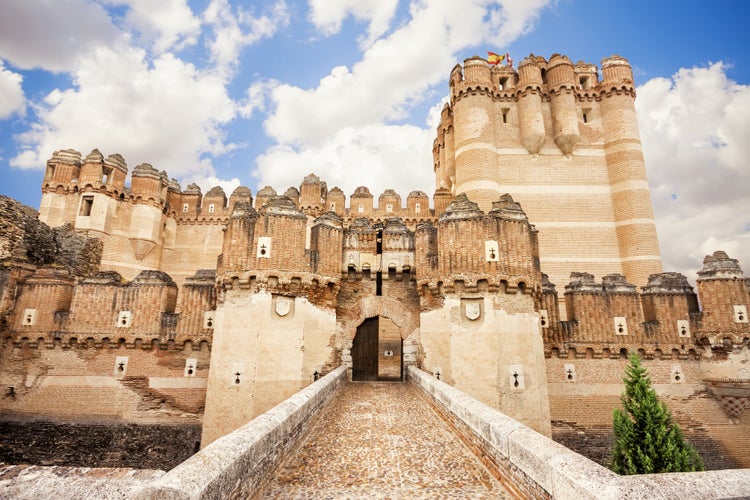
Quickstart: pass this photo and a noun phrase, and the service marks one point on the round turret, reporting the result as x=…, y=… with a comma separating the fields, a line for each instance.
x=616, y=71
x=530, y=105
x=477, y=72
x=561, y=80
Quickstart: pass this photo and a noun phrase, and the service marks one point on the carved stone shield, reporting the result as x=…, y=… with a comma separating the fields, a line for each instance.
x=283, y=306
x=472, y=310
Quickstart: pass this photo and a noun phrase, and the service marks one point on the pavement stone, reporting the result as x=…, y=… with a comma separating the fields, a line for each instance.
x=382, y=440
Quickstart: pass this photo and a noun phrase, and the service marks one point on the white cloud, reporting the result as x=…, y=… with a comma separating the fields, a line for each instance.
x=236, y=28
x=346, y=129
x=11, y=94
x=146, y=111
x=328, y=15
x=377, y=156
x=168, y=24
x=694, y=131
x=256, y=97
x=53, y=36
x=395, y=73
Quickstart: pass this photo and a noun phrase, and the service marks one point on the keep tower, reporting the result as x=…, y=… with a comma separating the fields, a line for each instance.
x=565, y=144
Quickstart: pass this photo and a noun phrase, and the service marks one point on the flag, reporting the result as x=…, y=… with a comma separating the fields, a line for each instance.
x=508, y=60
x=493, y=58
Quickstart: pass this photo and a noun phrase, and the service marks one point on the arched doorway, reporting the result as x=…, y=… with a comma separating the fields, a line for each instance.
x=377, y=350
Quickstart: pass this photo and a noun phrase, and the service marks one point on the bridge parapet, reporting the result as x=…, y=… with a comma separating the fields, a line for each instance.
x=239, y=464
x=532, y=465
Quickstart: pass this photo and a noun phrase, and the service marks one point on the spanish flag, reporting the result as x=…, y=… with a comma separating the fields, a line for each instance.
x=494, y=59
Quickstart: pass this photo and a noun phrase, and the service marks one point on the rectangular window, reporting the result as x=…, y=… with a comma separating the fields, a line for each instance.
x=86, y=204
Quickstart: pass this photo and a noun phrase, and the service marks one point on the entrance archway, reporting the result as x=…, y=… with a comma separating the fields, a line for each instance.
x=401, y=328
x=377, y=351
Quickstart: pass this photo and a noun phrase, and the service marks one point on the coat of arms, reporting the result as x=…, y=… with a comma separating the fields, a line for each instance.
x=283, y=305
x=472, y=310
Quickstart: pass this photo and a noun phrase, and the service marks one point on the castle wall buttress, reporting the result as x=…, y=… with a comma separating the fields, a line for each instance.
x=267, y=346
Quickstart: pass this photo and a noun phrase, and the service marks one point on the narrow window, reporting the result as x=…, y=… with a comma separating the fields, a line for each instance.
x=106, y=173
x=585, y=118
x=211, y=208
x=185, y=207
x=86, y=204
x=361, y=208
x=333, y=207
x=417, y=207
x=389, y=207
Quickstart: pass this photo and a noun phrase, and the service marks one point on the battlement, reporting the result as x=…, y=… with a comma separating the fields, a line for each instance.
x=537, y=74
x=610, y=317
x=68, y=175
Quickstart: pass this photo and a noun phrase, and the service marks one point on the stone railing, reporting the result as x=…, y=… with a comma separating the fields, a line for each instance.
x=532, y=465
x=239, y=464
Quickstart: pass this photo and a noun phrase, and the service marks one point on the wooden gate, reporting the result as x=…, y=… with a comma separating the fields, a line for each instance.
x=365, y=351
x=377, y=351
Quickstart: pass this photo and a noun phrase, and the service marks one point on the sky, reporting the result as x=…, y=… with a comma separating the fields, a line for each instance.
x=257, y=93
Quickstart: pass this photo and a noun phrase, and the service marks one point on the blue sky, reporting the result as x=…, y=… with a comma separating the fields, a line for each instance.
x=263, y=93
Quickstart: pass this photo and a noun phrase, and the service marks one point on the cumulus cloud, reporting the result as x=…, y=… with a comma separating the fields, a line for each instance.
x=167, y=24
x=377, y=156
x=236, y=28
x=53, y=36
x=694, y=130
x=328, y=15
x=11, y=94
x=145, y=110
x=358, y=110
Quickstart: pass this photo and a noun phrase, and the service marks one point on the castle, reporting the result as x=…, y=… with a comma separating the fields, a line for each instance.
x=517, y=282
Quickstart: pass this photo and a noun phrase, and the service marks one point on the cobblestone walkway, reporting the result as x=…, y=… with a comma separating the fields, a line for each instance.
x=382, y=440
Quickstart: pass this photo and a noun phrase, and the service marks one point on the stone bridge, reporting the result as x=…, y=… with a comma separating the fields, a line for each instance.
x=333, y=439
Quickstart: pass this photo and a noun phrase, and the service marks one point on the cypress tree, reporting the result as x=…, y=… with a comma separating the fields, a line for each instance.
x=647, y=441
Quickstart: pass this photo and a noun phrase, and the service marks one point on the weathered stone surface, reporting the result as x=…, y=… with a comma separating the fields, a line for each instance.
x=720, y=265
x=104, y=444
x=24, y=237
x=23, y=482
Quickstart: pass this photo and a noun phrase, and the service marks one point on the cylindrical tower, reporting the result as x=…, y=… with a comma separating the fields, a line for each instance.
x=238, y=238
x=634, y=218
x=530, y=105
x=561, y=83
x=326, y=244
x=473, y=131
